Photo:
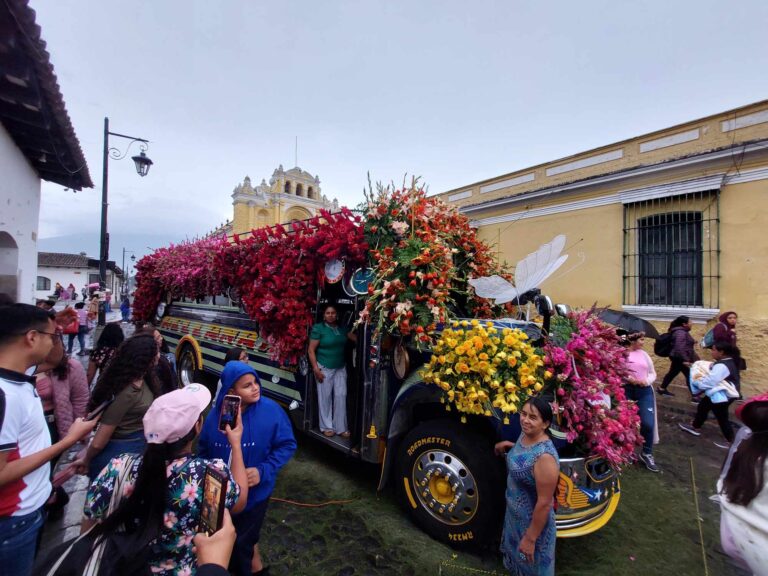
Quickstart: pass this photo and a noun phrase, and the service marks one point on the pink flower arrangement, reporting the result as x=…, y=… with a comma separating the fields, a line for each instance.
x=586, y=367
x=184, y=269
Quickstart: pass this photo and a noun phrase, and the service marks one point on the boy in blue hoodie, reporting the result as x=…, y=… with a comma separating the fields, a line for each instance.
x=268, y=443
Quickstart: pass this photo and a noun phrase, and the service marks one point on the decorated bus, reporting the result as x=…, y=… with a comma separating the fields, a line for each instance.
x=447, y=351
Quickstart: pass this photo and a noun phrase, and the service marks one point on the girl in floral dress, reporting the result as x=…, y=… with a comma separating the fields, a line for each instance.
x=162, y=494
x=528, y=540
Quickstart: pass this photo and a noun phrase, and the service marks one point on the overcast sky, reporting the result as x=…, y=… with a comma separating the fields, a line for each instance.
x=454, y=91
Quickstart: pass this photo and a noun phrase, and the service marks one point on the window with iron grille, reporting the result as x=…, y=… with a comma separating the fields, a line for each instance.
x=43, y=283
x=671, y=251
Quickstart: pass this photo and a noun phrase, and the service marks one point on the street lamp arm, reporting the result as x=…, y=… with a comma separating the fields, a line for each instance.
x=115, y=153
x=127, y=137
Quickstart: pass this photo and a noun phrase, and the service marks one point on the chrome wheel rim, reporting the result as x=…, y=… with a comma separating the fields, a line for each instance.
x=445, y=487
x=186, y=368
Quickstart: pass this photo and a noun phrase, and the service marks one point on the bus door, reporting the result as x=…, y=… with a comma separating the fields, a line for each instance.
x=374, y=380
x=346, y=308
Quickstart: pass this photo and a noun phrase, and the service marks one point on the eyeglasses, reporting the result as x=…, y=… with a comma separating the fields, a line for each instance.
x=56, y=335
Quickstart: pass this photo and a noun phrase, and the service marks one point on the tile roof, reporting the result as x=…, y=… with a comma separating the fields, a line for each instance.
x=61, y=260
x=32, y=107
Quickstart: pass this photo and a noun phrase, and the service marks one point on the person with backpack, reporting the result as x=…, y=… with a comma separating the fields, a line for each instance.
x=82, y=330
x=681, y=355
x=720, y=389
x=725, y=329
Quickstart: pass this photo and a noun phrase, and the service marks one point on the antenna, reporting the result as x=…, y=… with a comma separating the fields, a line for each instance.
x=296, y=152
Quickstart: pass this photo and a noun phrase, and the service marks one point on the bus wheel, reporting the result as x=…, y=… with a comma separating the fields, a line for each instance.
x=452, y=484
x=187, y=365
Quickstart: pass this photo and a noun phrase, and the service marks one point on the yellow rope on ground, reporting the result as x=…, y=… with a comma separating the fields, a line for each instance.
x=449, y=564
x=308, y=505
x=698, y=520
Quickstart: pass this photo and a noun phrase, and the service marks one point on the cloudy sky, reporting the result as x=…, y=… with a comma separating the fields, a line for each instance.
x=454, y=91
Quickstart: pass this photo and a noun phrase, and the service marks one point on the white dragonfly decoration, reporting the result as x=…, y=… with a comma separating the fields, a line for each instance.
x=530, y=272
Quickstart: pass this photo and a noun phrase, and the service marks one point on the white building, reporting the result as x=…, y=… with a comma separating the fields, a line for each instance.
x=76, y=269
x=37, y=142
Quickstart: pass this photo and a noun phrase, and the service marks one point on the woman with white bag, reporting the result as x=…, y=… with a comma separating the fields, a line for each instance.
x=720, y=388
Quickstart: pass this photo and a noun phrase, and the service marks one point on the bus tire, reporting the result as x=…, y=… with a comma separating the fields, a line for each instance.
x=452, y=484
x=187, y=365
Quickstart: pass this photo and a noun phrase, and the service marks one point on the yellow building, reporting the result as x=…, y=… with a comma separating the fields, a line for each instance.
x=669, y=223
x=290, y=195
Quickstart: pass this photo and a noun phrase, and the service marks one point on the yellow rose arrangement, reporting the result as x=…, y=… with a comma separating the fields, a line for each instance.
x=481, y=367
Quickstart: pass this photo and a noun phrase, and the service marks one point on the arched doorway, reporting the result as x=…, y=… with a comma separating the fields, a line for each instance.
x=9, y=265
x=297, y=213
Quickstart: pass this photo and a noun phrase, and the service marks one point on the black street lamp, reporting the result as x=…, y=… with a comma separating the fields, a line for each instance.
x=142, y=168
x=124, y=289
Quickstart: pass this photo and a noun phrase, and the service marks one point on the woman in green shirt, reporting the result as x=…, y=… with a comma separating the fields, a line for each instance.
x=327, y=343
x=131, y=380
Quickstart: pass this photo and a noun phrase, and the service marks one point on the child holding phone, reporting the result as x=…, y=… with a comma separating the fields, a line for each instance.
x=167, y=482
x=267, y=445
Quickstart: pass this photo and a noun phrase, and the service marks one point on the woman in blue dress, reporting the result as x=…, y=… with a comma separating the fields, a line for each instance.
x=528, y=540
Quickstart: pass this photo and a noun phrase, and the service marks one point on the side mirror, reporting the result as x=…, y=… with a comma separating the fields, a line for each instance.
x=562, y=309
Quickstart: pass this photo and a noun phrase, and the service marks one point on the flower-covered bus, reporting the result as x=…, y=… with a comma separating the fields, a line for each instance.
x=421, y=405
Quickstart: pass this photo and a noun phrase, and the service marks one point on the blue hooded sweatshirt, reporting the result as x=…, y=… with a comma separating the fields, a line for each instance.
x=268, y=441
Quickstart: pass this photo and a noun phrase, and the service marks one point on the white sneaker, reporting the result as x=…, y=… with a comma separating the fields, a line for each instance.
x=688, y=428
x=649, y=462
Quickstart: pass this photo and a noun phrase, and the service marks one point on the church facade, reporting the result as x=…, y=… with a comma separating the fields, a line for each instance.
x=289, y=195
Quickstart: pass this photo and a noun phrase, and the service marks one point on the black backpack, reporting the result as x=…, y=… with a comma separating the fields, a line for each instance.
x=119, y=557
x=663, y=345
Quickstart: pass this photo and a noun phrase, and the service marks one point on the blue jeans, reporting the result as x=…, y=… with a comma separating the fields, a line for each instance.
x=18, y=543
x=646, y=409
x=248, y=526
x=133, y=444
x=82, y=330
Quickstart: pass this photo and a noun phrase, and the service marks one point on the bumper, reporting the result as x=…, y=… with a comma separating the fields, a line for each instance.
x=588, y=493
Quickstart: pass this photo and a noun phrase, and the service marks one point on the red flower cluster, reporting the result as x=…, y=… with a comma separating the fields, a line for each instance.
x=586, y=368
x=275, y=272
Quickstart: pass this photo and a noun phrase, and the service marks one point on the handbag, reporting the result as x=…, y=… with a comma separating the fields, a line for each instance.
x=72, y=327
x=114, y=554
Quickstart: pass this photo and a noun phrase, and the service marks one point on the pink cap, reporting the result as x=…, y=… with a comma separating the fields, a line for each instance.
x=171, y=416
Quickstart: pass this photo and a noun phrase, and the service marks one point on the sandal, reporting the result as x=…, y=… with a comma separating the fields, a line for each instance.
x=328, y=433
x=345, y=434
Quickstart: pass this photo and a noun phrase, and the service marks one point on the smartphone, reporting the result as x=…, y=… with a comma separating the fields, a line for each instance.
x=99, y=409
x=214, y=495
x=230, y=408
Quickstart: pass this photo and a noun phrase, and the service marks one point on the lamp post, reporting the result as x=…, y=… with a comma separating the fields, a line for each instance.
x=124, y=289
x=142, y=167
